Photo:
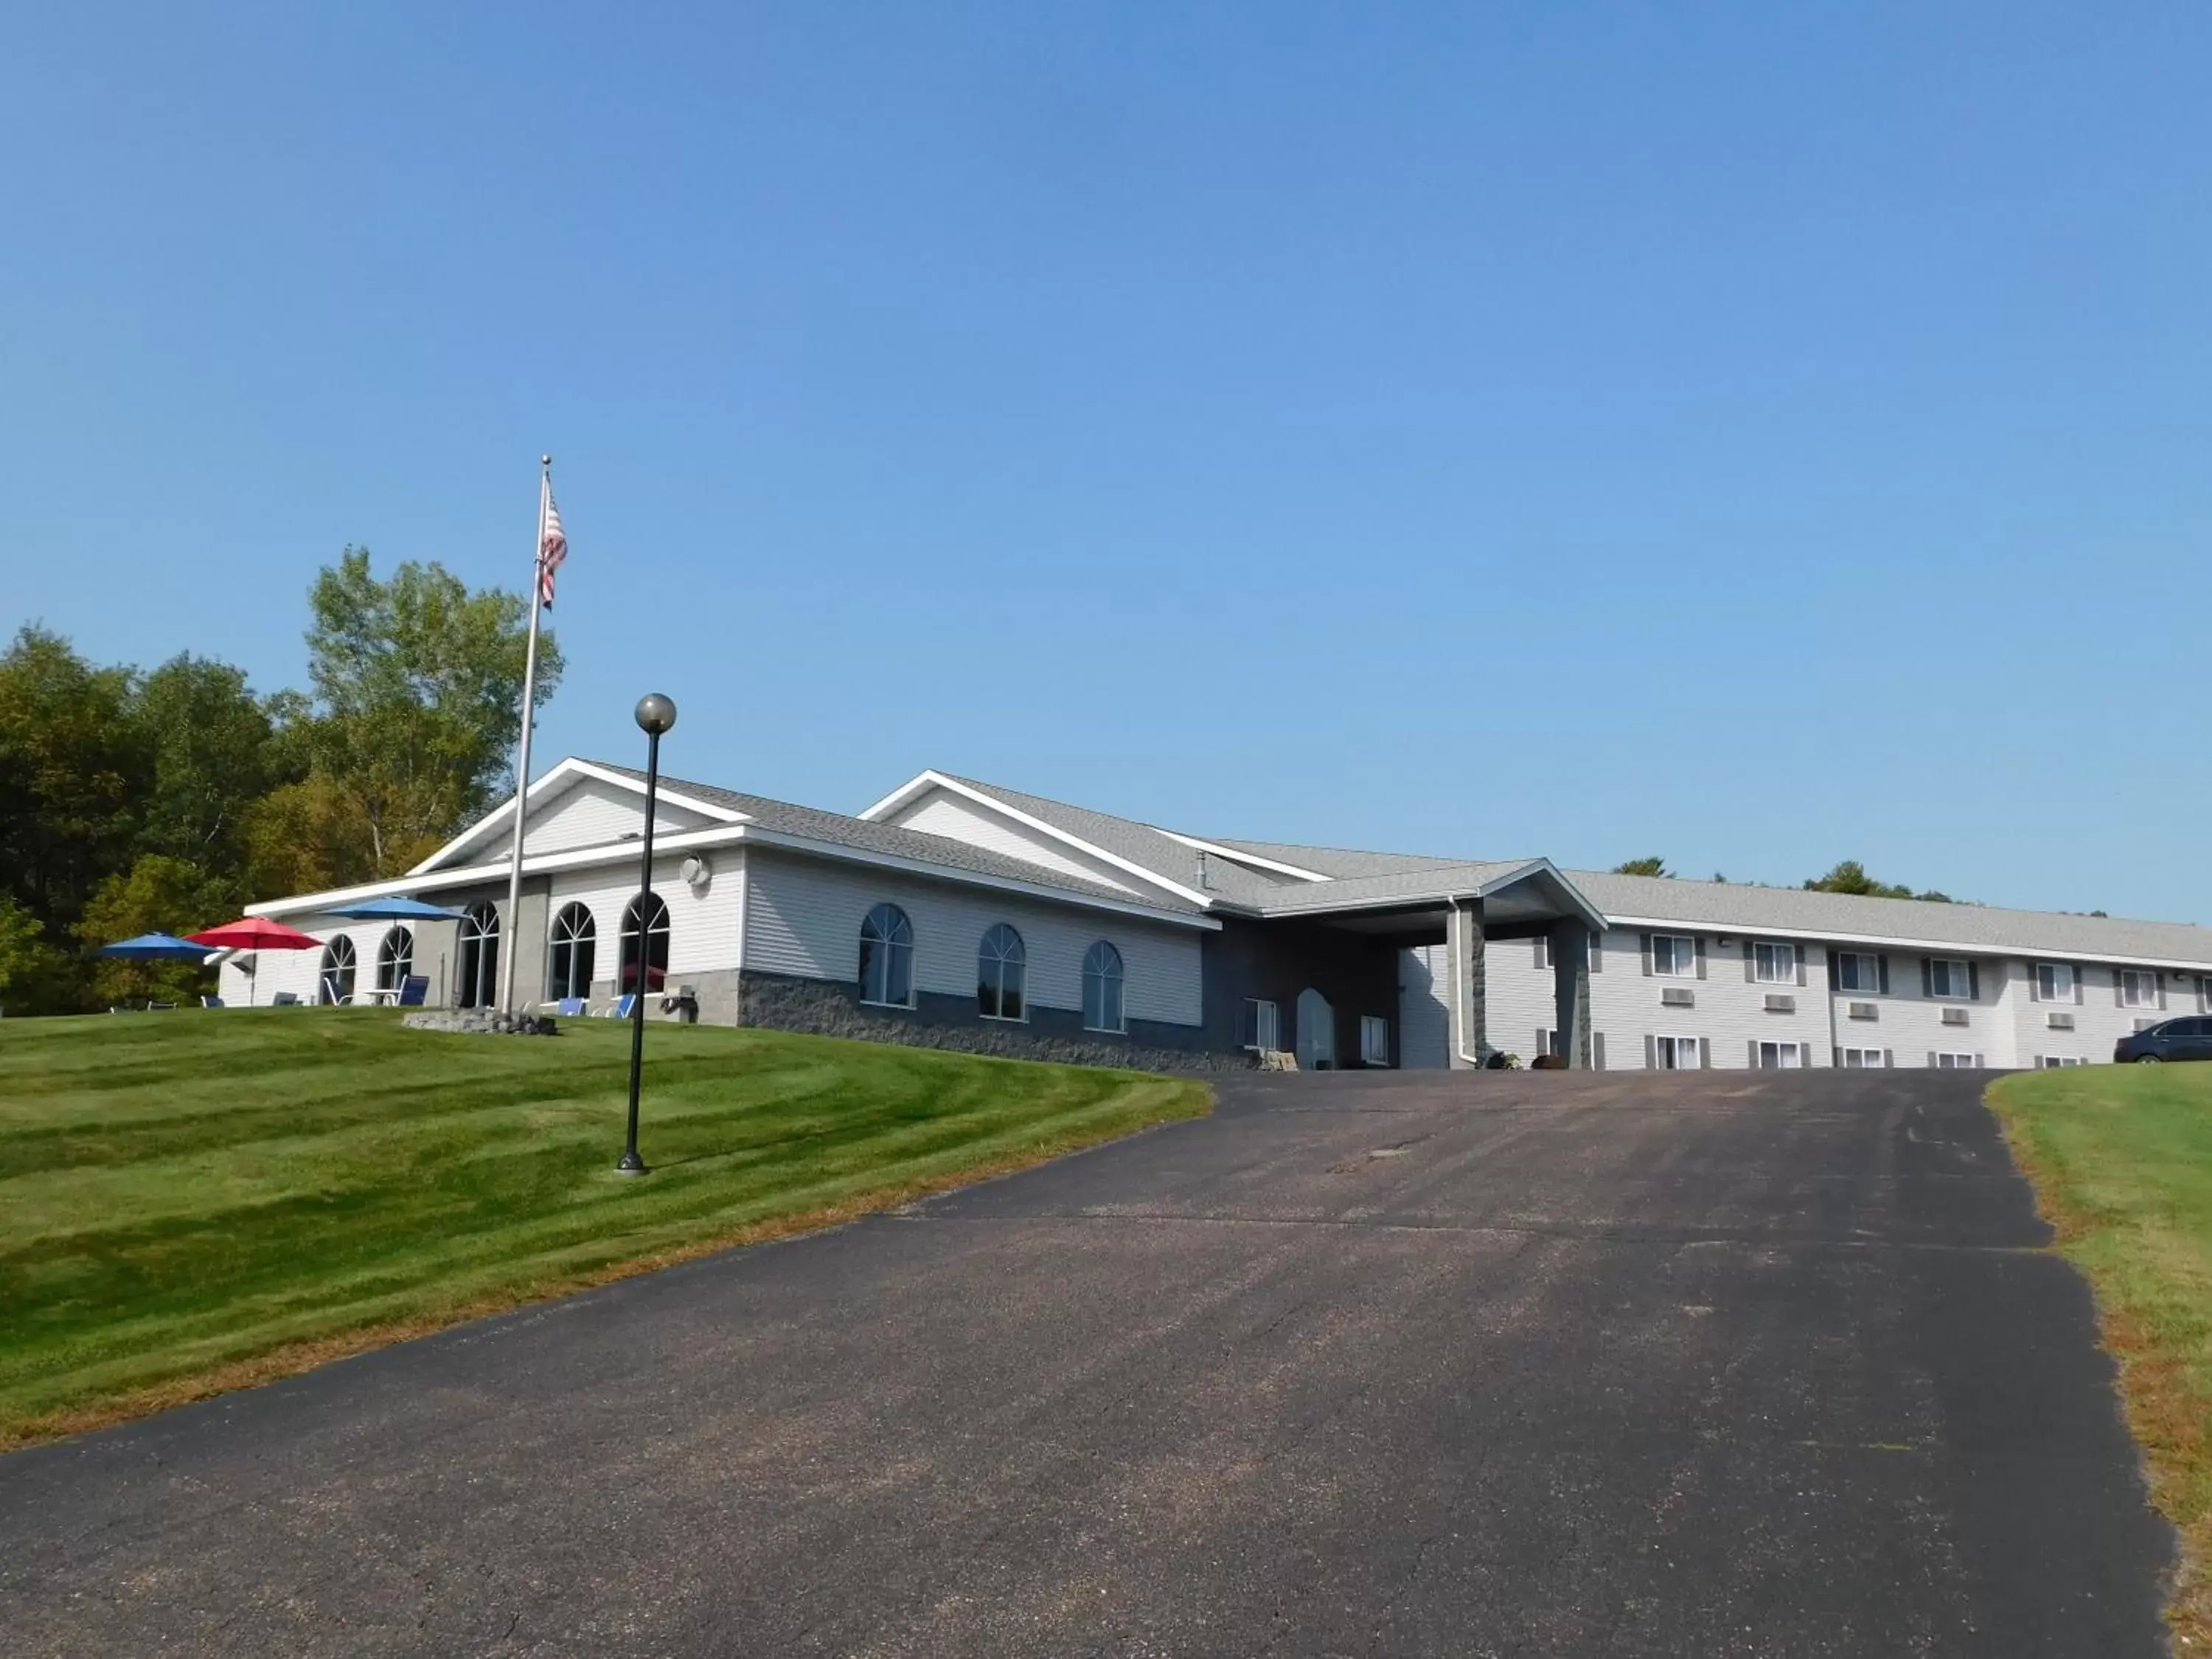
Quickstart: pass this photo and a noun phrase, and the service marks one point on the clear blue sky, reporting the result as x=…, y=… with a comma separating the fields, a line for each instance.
x=1756, y=433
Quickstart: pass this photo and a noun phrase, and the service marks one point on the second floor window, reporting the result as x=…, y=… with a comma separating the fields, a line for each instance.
x=1674, y=955
x=1775, y=964
x=2138, y=988
x=2054, y=982
x=1857, y=970
x=1952, y=981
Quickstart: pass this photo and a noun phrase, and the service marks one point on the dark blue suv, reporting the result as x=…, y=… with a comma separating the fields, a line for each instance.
x=2171, y=1039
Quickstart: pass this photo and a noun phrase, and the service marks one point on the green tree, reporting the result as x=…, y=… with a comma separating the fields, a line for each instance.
x=1643, y=868
x=72, y=769
x=1849, y=876
x=158, y=894
x=214, y=751
x=413, y=726
x=34, y=976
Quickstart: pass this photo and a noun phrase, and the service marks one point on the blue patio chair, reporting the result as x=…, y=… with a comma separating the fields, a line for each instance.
x=210, y=1002
x=413, y=989
x=571, y=1007
x=622, y=1007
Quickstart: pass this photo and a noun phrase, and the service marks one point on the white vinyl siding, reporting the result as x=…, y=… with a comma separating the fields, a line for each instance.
x=1425, y=1007
x=944, y=812
x=703, y=932
x=591, y=814
x=804, y=919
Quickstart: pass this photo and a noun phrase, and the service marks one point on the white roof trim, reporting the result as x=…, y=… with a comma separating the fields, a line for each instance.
x=907, y=791
x=1237, y=856
x=1933, y=947
x=562, y=778
x=731, y=835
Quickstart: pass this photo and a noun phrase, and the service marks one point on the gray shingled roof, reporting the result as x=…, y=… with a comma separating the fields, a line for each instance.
x=1433, y=881
x=1341, y=862
x=840, y=831
x=1143, y=845
x=1969, y=926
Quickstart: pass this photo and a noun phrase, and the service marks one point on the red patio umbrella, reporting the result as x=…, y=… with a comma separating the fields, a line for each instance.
x=254, y=933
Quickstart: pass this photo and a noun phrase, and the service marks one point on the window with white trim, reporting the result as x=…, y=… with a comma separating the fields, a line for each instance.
x=1102, y=988
x=1862, y=1060
x=1859, y=972
x=2138, y=988
x=1258, y=1029
x=2054, y=982
x=2052, y=1063
x=1374, y=1040
x=1001, y=972
x=1957, y=1062
x=1774, y=964
x=1949, y=981
x=1678, y=1053
x=887, y=957
x=1781, y=1056
x=1673, y=956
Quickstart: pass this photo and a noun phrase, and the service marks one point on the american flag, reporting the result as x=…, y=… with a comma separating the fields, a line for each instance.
x=552, y=549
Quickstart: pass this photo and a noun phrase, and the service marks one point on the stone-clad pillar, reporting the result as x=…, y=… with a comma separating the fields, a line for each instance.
x=1570, y=991
x=1463, y=940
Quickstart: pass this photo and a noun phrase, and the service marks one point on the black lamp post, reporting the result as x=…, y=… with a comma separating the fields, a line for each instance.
x=655, y=714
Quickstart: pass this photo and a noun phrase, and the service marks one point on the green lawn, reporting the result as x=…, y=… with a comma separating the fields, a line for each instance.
x=193, y=1201
x=2121, y=1156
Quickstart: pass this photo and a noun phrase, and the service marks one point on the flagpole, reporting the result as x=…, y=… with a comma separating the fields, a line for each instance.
x=513, y=929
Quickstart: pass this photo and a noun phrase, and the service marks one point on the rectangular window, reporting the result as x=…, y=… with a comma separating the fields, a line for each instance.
x=1543, y=948
x=1374, y=1040
x=1950, y=981
x=2054, y=982
x=1258, y=1025
x=2051, y=1062
x=2138, y=988
x=1862, y=1060
x=1677, y=1053
x=1775, y=964
x=1954, y=1062
x=1673, y=955
x=1781, y=1056
x=1855, y=970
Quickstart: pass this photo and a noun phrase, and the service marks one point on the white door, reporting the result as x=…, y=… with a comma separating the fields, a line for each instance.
x=1316, y=1032
x=1424, y=1008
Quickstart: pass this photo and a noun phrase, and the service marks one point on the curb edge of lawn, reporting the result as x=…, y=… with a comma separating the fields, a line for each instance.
x=2155, y=1408
x=294, y=1358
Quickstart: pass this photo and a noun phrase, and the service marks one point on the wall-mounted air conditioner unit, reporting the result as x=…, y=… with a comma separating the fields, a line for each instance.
x=1954, y=1016
x=1862, y=1011
x=2059, y=1021
x=1777, y=1003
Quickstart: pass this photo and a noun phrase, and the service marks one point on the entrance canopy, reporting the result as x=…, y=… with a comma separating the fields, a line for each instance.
x=1524, y=895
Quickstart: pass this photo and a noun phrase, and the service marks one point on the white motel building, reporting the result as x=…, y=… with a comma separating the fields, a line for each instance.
x=960, y=915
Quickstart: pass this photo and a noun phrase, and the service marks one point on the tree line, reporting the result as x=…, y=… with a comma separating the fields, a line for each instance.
x=164, y=801
x=1849, y=876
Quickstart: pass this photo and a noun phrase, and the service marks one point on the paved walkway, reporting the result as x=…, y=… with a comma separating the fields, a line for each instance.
x=1554, y=1364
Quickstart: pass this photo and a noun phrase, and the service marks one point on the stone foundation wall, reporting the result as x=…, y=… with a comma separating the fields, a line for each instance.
x=831, y=1008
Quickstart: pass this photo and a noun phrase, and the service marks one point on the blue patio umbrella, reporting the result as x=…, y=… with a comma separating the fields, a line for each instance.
x=157, y=947
x=394, y=909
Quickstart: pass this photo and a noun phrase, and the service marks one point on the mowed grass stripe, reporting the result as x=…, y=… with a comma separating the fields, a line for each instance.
x=186, y=1194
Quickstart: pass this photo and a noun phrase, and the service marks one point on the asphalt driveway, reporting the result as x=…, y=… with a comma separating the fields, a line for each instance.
x=1706, y=1364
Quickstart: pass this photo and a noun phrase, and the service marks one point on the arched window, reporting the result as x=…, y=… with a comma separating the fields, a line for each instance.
x=477, y=983
x=999, y=968
x=335, y=986
x=568, y=964
x=1102, y=988
x=395, y=959
x=887, y=957
x=656, y=943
